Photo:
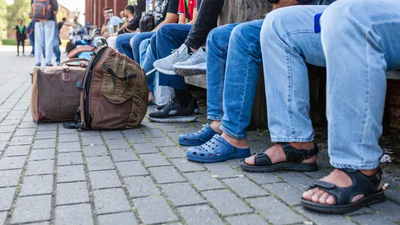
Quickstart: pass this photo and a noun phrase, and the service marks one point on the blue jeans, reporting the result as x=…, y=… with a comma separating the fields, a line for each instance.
x=360, y=39
x=146, y=61
x=355, y=86
x=232, y=75
x=288, y=43
x=56, y=49
x=168, y=38
x=32, y=41
x=136, y=41
x=44, y=39
x=123, y=45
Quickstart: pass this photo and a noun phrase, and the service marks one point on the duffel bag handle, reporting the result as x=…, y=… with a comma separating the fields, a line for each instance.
x=67, y=62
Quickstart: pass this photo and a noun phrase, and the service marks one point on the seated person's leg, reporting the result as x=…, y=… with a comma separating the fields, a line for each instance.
x=112, y=42
x=181, y=109
x=360, y=40
x=135, y=43
x=206, y=20
x=217, y=49
x=285, y=53
x=146, y=61
x=122, y=44
x=241, y=76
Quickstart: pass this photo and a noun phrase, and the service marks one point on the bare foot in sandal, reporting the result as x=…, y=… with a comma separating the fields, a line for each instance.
x=277, y=155
x=344, y=191
x=283, y=156
x=340, y=179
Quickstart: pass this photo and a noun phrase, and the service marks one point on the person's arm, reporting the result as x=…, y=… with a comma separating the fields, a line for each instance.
x=182, y=18
x=170, y=18
x=54, y=5
x=194, y=17
x=172, y=14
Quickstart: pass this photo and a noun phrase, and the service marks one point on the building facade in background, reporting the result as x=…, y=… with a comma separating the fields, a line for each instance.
x=94, y=10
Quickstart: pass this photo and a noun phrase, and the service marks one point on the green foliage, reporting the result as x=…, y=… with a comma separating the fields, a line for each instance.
x=3, y=19
x=9, y=42
x=19, y=10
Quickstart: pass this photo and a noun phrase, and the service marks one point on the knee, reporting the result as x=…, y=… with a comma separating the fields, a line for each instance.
x=340, y=18
x=216, y=36
x=164, y=30
x=276, y=22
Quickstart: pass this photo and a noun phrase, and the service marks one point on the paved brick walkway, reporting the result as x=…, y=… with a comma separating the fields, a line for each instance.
x=50, y=175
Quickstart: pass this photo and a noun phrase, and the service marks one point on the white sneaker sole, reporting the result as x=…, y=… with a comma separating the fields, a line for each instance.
x=168, y=72
x=177, y=119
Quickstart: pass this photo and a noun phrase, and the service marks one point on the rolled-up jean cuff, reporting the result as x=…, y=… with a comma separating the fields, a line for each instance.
x=274, y=139
x=192, y=44
x=346, y=165
x=232, y=134
x=214, y=118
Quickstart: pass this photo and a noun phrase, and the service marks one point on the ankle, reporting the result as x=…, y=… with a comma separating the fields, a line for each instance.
x=238, y=143
x=303, y=145
x=215, y=125
x=370, y=172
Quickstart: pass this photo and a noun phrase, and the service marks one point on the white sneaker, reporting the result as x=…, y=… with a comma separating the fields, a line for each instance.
x=195, y=65
x=166, y=65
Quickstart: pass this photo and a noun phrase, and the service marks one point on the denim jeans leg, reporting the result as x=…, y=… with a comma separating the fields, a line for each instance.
x=241, y=76
x=32, y=41
x=49, y=28
x=122, y=44
x=287, y=44
x=147, y=61
x=56, y=48
x=135, y=43
x=360, y=41
x=216, y=54
x=39, y=42
x=168, y=38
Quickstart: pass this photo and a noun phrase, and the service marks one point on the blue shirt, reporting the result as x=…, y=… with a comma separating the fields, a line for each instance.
x=114, y=21
x=30, y=27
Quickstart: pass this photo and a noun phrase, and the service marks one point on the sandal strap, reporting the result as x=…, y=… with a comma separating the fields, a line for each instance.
x=262, y=159
x=295, y=155
x=362, y=184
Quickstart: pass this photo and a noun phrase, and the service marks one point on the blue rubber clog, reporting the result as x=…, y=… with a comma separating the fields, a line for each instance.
x=198, y=138
x=216, y=150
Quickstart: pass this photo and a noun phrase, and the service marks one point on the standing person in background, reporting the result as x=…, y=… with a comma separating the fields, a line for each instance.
x=57, y=41
x=44, y=30
x=31, y=35
x=20, y=36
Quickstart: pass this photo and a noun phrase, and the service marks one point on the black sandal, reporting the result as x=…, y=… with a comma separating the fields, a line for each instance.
x=362, y=184
x=294, y=157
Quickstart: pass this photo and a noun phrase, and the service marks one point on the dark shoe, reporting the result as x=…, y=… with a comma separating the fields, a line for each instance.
x=294, y=158
x=49, y=64
x=198, y=138
x=194, y=102
x=173, y=112
x=362, y=184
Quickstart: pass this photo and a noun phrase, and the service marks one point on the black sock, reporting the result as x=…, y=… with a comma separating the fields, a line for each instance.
x=189, y=49
x=184, y=97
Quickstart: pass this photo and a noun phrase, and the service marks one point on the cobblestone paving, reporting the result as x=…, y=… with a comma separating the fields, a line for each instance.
x=51, y=175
